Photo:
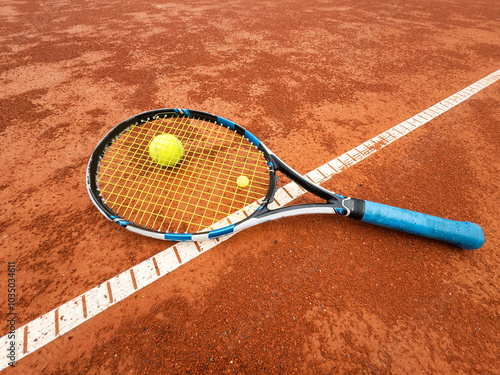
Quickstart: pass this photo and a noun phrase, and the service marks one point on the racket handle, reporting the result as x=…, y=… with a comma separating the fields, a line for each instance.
x=462, y=234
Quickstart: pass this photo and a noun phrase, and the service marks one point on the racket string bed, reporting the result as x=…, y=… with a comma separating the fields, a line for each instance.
x=194, y=194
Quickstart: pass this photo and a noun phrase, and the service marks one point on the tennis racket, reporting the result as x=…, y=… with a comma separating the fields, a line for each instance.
x=199, y=198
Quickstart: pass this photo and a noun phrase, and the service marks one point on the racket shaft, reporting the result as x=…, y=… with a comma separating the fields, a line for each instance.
x=462, y=234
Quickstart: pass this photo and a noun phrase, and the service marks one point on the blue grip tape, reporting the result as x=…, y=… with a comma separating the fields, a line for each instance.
x=462, y=234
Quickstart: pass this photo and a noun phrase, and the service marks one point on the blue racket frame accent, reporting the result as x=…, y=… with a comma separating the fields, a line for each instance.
x=119, y=221
x=226, y=123
x=252, y=138
x=178, y=236
x=220, y=232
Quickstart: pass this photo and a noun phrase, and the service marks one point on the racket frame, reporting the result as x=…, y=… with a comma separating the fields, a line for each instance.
x=462, y=234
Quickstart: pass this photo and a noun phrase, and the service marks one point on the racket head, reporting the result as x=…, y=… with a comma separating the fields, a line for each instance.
x=198, y=198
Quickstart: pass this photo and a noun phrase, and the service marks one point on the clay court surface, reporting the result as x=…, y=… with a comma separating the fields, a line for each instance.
x=311, y=79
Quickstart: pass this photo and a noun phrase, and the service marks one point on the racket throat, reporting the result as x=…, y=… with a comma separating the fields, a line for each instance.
x=351, y=207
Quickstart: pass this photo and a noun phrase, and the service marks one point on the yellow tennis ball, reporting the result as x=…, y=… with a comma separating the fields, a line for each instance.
x=242, y=181
x=166, y=150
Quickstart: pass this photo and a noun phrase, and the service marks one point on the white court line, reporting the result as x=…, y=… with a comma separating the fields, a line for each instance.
x=55, y=323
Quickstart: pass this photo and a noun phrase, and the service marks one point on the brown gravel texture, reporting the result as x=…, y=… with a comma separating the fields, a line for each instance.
x=312, y=79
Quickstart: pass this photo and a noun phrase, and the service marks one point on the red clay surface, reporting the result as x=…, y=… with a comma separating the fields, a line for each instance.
x=312, y=80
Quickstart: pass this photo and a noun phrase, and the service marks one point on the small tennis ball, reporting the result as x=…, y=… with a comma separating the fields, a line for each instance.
x=166, y=150
x=242, y=181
